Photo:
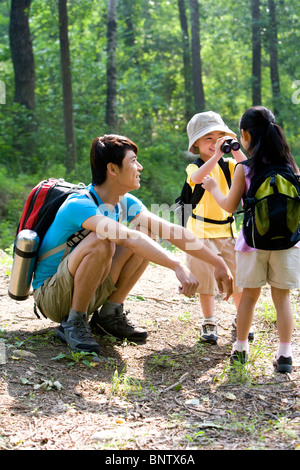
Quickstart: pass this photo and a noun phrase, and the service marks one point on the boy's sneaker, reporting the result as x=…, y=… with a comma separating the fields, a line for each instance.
x=117, y=324
x=251, y=332
x=77, y=334
x=209, y=333
x=238, y=356
x=283, y=364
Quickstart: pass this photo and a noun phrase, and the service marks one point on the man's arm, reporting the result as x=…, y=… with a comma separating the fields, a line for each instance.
x=187, y=242
x=143, y=246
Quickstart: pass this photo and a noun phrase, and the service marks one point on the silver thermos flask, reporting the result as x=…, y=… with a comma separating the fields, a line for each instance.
x=25, y=253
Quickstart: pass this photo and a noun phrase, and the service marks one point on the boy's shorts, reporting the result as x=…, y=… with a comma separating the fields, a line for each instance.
x=279, y=269
x=54, y=297
x=204, y=272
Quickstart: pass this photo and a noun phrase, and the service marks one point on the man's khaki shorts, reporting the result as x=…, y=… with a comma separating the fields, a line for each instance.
x=204, y=272
x=279, y=269
x=54, y=297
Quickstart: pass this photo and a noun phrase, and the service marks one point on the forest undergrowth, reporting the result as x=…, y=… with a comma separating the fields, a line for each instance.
x=170, y=393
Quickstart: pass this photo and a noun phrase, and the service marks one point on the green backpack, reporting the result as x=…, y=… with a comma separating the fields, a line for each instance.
x=272, y=209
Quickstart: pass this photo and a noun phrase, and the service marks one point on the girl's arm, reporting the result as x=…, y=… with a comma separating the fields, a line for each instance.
x=230, y=202
x=239, y=156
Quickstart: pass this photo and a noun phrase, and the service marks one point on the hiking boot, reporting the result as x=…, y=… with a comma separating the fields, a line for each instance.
x=283, y=364
x=117, y=324
x=209, y=333
x=251, y=332
x=77, y=334
x=238, y=356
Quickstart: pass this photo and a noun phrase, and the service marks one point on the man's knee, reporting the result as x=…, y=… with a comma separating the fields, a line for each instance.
x=97, y=251
x=103, y=249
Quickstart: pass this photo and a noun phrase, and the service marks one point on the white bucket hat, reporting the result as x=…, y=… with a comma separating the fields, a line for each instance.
x=203, y=123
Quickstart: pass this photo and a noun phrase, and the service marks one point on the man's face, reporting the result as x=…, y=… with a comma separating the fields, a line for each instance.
x=129, y=173
x=207, y=144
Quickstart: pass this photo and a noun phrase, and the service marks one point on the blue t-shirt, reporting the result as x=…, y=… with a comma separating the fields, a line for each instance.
x=69, y=219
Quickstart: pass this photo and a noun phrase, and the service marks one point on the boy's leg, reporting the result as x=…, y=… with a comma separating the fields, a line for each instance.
x=204, y=272
x=209, y=328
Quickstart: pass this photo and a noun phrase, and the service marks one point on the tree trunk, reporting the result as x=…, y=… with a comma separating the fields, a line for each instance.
x=23, y=61
x=256, y=53
x=111, y=103
x=187, y=68
x=196, y=58
x=71, y=157
x=22, y=53
x=273, y=42
x=127, y=13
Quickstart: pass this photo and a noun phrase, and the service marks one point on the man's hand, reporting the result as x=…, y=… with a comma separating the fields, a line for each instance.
x=187, y=280
x=224, y=279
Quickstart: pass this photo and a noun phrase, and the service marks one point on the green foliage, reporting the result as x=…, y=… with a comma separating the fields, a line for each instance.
x=150, y=89
x=76, y=357
x=13, y=194
x=123, y=384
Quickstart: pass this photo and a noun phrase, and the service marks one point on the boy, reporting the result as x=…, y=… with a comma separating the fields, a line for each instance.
x=104, y=267
x=209, y=221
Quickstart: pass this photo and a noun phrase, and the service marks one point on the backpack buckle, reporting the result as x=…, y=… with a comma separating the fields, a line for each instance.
x=76, y=238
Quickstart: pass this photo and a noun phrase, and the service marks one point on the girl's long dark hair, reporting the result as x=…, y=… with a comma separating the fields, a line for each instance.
x=268, y=144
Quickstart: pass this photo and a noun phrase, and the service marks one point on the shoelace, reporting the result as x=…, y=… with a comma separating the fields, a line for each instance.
x=209, y=327
x=123, y=316
x=83, y=328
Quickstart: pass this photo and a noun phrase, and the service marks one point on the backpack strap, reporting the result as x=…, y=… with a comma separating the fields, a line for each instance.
x=77, y=237
x=72, y=241
x=229, y=220
x=187, y=197
x=198, y=190
x=224, y=165
x=122, y=211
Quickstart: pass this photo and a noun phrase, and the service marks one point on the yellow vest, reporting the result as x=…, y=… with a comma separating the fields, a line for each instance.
x=208, y=207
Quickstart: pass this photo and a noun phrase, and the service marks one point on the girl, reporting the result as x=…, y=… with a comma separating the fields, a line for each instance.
x=265, y=142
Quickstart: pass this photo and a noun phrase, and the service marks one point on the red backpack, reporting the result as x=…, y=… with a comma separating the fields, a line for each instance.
x=38, y=214
x=43, y=203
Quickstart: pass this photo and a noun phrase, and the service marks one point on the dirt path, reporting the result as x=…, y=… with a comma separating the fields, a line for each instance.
x=170, y=393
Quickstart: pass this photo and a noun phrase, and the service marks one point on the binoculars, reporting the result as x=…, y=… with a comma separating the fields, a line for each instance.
x=230, y=144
